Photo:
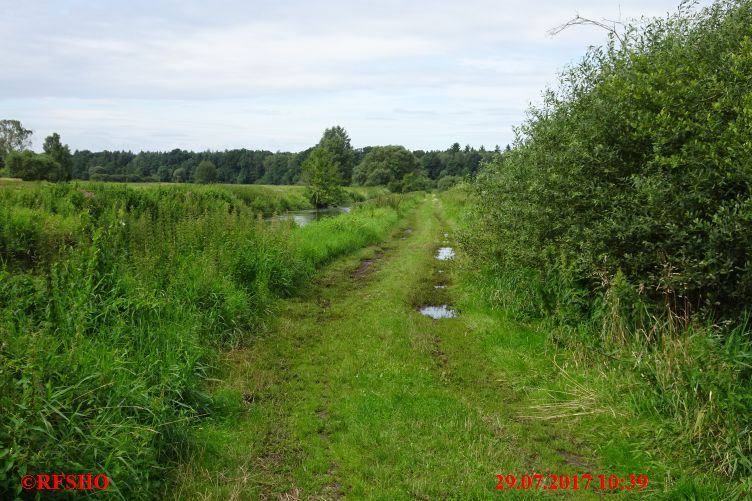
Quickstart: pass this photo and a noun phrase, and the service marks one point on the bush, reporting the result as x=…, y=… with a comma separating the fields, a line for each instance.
x=624, y=212
x=640, y=164
x=30, y=166
x=447, y=182
x=415, y=182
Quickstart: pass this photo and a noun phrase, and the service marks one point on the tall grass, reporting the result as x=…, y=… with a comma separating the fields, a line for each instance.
x=114, y=301
x=691, y=379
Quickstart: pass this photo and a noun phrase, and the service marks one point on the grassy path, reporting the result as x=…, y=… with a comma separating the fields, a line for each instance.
x=352, y=393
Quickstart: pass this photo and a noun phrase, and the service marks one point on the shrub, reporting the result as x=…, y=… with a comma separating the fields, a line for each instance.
x=623, y=214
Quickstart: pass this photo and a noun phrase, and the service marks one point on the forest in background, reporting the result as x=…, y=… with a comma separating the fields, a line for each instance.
x=368, y=166
x=243, y=166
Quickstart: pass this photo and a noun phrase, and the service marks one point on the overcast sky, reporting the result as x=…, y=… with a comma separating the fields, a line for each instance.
x=158, y=75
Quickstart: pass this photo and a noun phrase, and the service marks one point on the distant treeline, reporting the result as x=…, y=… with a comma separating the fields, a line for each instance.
x=251, y=166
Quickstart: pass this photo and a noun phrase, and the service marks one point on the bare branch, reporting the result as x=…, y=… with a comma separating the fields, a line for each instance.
x=607, y=24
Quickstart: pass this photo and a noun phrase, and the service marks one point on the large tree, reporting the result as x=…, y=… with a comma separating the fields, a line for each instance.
x=61, y=154
x=336, y=141
x=387, y=166
x=13, y=137
x=321, y=171
x=206, y=172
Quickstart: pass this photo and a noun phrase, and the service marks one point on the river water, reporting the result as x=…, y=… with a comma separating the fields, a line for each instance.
x=304, y=217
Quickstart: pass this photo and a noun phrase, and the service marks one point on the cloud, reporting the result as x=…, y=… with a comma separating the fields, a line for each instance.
x=163, y=74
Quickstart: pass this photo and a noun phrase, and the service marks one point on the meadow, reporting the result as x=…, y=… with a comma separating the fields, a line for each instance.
x=115, y=300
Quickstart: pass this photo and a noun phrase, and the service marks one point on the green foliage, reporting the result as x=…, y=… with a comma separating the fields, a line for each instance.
x=206, y=172
x=179, y=175
x=61, y=154
x=623, y=212
x=113, y=302
x=28, y=165
x=13, y=137
x=447, y=182
x=415, y=181
x=641, y=163
x=321, y=171
x=328, y=167
x=336, y=141
x=263, y=167
x=386, y=166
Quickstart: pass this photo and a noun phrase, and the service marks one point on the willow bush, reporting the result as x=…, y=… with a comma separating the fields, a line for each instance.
x=624, y=210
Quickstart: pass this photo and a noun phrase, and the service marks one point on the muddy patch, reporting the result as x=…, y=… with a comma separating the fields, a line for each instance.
x=365, y=266
x=333, y=488
x=438, y=312
x=441, y=358
x=575, y=460
x=291, y=495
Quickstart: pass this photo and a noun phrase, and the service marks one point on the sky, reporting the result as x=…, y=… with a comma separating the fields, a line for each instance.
x=162, y=74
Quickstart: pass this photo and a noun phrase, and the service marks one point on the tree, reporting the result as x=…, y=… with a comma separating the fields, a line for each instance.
x=244, y=176
x=164, y=173
x=432, y=164
x=61, y=154
x=13, y=137
x=386, y=166
x=29, y=166
x=179, y=175
x=415, y=181
x=336, y=141
x=205, y=173
x=321, y=171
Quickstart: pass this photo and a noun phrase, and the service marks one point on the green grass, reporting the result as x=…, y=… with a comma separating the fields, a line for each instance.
x=352, y=393
x=172, y=340
x=114, y=302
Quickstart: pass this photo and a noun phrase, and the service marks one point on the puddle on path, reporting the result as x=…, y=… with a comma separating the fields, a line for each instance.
x=445, y=254
x=437, y=312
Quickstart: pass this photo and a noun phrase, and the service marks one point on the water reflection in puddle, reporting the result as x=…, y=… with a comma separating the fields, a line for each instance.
x=437, y=312
x=304, y=217
x=445, y=253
